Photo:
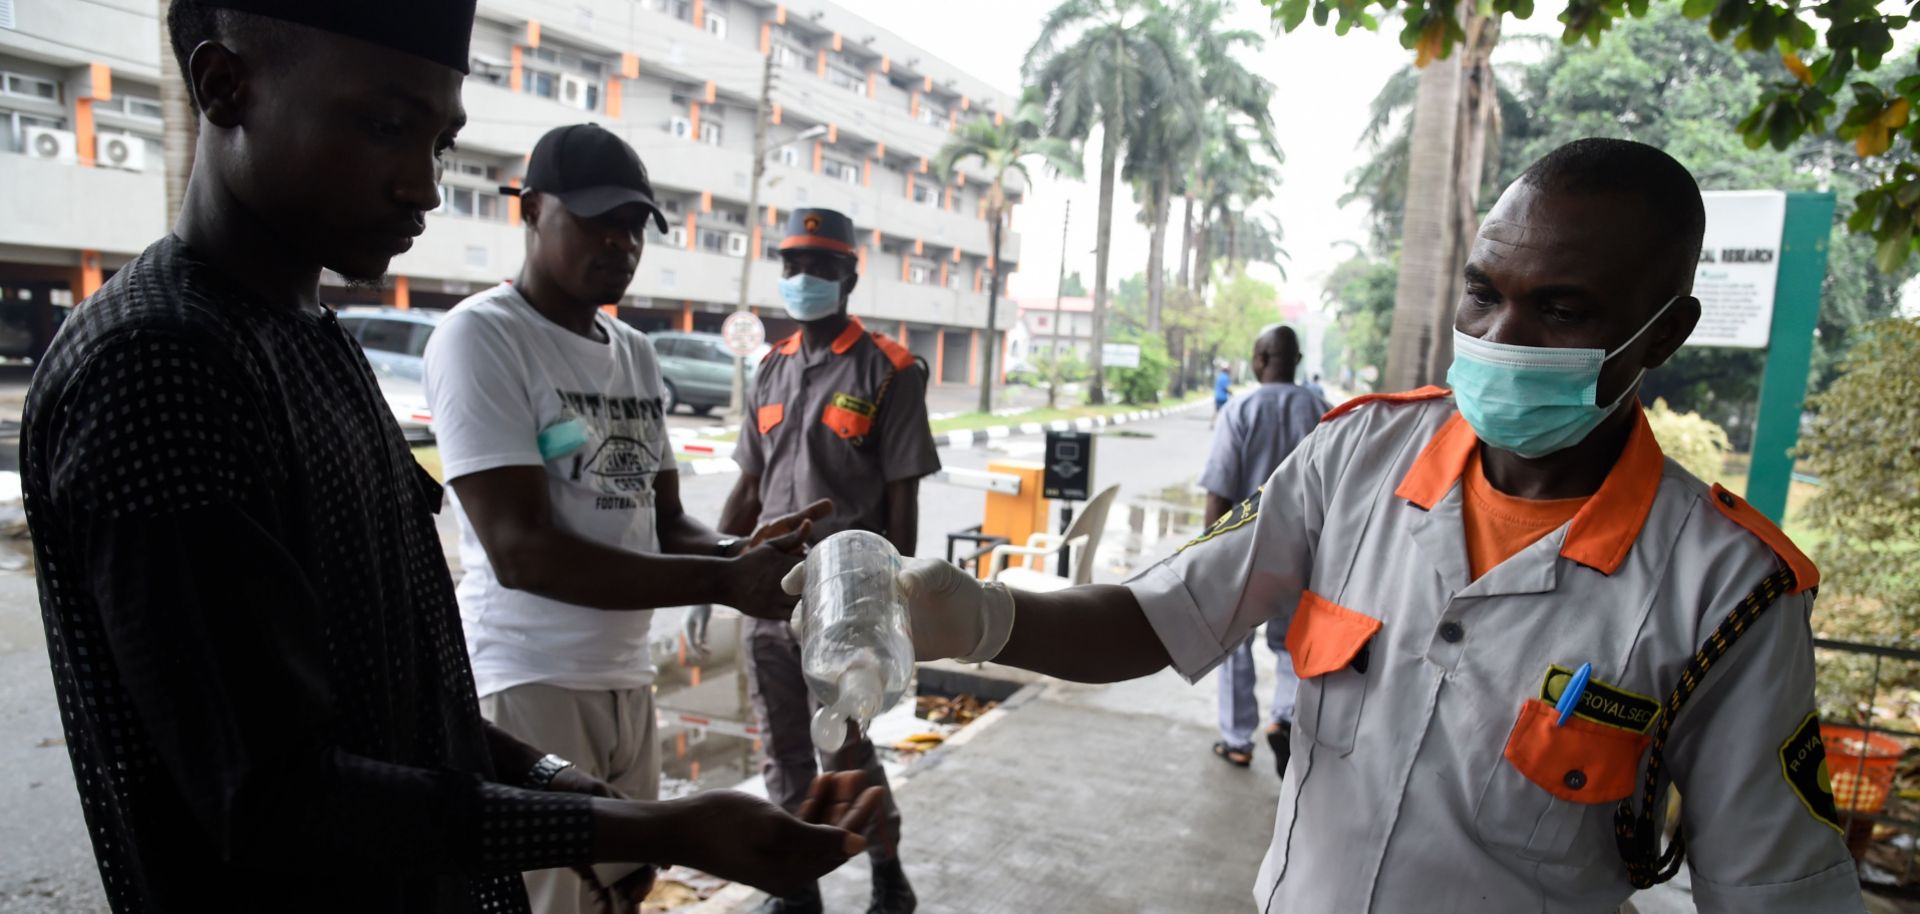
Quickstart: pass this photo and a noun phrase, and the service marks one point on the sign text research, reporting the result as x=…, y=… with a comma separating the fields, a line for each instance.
x=1739, y=268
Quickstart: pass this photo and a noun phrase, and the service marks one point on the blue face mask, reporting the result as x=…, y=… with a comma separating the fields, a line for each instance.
x=808, y=297
x=1534, y=400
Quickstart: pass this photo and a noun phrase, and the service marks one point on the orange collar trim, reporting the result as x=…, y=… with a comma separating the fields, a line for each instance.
x=1604, y=529
x=849, y=336
x=841, y=343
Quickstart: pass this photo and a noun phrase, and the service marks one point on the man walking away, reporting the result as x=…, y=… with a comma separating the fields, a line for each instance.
x=1257, y=431
x=1313, y=387
x=252, y=632
x=548, y=414
x=840, y=413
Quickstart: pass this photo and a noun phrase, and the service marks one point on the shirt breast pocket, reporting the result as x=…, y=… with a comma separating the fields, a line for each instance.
x=1553, y=782
x=1331, y=647
x=849, y=417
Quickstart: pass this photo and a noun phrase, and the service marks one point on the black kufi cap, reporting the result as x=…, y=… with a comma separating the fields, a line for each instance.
x=437, y=30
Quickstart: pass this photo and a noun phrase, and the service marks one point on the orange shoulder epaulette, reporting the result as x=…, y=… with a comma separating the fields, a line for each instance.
x=1429, y=392
x=896, y=353
x=1806, y=575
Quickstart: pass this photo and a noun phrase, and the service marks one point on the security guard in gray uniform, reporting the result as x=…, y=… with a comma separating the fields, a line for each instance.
x=837, y=413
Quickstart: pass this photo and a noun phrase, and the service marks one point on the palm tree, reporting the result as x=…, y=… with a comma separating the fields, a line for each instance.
x=1455, y=110
x=1002, y=150
x=1099, y=63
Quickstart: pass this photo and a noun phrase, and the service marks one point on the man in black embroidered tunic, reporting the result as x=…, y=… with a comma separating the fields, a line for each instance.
x=253, y=635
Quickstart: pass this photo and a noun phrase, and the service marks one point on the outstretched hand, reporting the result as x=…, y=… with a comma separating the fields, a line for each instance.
x=801, y=521
x=746, y=839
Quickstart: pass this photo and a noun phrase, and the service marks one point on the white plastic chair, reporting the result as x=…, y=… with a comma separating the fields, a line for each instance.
x=1082, y=536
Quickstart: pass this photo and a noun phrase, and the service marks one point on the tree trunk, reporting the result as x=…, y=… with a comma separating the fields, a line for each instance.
x=1160, y=190
x=1478, y=111
x=1203, y=255
x=179, y=124
x=1109, y=160
x=993, y=309
x=1428, y=230
x=1186, y=242
x=1233, y=243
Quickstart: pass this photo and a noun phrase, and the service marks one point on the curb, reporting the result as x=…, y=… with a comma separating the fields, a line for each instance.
x=709, y=458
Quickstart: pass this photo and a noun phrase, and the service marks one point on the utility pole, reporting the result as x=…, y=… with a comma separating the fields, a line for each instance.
x=738, y=403
x=1053, y=374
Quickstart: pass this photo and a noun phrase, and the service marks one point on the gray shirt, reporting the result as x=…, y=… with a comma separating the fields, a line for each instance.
x=839, y=422
x=1256, y=431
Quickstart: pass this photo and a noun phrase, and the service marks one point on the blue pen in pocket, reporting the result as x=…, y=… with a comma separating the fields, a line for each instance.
x=1570, y=696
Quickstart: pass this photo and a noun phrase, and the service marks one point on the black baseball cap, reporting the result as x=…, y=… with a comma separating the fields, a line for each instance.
x=591, y=170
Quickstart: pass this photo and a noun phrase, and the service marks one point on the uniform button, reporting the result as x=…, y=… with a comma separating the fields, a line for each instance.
x=1726, y=498
x=1575, y=779
x=1451, y=632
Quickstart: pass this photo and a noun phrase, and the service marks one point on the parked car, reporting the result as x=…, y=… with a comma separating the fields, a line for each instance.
x=407, y=399
x=698, y=370
x=394, y=339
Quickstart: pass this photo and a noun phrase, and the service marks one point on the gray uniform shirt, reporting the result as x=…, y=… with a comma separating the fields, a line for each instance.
x=818, y=427
x=1428, y=774
x=1255, y=432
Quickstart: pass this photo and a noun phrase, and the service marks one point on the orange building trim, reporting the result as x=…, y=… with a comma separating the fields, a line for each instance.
x=833, y=134
x=836, y=42
x=693, y=231
x=939, y=356
x=943, y=274
x=83, y=129
x=713, y=94
x=903, y=268
x=928, y=84
x=879, y=150
x=699, y=22
x=873, y=80
x=693, y=118
x=514, y=69
x=513, y=204
x=686, y=316
x=966, y=104
x=613, y=96
x=630, y=66
x=706, y=201
x=823, y=63
x=866, y=173
x=780, y=14
x=89, y=274
x=399, y=295
x=817, y=147
x=886, y=64
x=533, y=33
x=766, y=38
x=973, y=356
x=919, y=247
x=100, y=76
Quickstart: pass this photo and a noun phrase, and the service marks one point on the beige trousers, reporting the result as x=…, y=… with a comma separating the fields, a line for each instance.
x=608, y=734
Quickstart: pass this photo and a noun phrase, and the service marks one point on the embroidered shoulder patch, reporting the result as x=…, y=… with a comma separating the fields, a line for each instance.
x=1803, y=760
x=1603, y=703
x=1239, y=516
x=855, y=405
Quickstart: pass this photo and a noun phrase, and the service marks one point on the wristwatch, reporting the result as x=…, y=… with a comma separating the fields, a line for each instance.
x=724, y=548
x=545, y=770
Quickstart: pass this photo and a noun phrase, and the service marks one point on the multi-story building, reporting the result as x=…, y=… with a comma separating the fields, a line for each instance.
x=856, y=116
x=1048, y=325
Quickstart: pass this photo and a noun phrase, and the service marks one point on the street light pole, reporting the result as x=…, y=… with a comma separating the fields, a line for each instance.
x=737, y=403
x=1053, y=373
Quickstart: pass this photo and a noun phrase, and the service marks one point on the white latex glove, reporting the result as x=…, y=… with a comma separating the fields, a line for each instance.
x=951, y=613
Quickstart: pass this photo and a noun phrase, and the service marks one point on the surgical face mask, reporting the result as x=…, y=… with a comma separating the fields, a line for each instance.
x=1534, y=400
x=808, y=297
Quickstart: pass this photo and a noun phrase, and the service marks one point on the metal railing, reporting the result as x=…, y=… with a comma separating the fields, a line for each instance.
x=1888, y=867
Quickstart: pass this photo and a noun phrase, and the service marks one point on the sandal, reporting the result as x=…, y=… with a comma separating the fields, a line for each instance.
x=1238, y=758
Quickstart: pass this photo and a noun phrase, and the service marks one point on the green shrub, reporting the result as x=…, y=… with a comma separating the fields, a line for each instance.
x=1143, y=384
x=1693, y=441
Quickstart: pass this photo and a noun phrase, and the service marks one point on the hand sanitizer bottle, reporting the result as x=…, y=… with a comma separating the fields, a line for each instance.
x=855, y=647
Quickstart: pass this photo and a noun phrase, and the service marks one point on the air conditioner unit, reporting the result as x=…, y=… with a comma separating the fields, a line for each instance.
x=573, y=91
x=47, y=143
x=120, y=150
x=678, y=236
x=680, y=127
x=736, y=244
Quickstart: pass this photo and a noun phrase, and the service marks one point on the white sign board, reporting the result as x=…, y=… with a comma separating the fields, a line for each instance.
x=1119, y=355
x=1739, y=265
x=743, y=333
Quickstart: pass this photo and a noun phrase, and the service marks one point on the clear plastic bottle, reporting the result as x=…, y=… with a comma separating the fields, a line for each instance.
x=855, y=647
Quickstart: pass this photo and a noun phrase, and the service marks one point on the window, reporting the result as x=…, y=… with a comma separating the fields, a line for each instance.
x=387, y=336
x=710, y=133
x=543, y=84
x=920, y=274
x=456, y=201
x=711, y=352
x=668, y=347
x=592, y=68
x=845, y=171
x=30, y=87
x=789, y=156
x=716, y=25
x=847, y=81
x=489, y=207
x=931, y=116
x=671, y=205
x=784, y=56
x=547, y=54
x=926, y=193
x=678, y=9
x=713, y=241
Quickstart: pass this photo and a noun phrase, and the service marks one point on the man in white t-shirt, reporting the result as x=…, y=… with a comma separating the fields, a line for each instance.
x=548, y=413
